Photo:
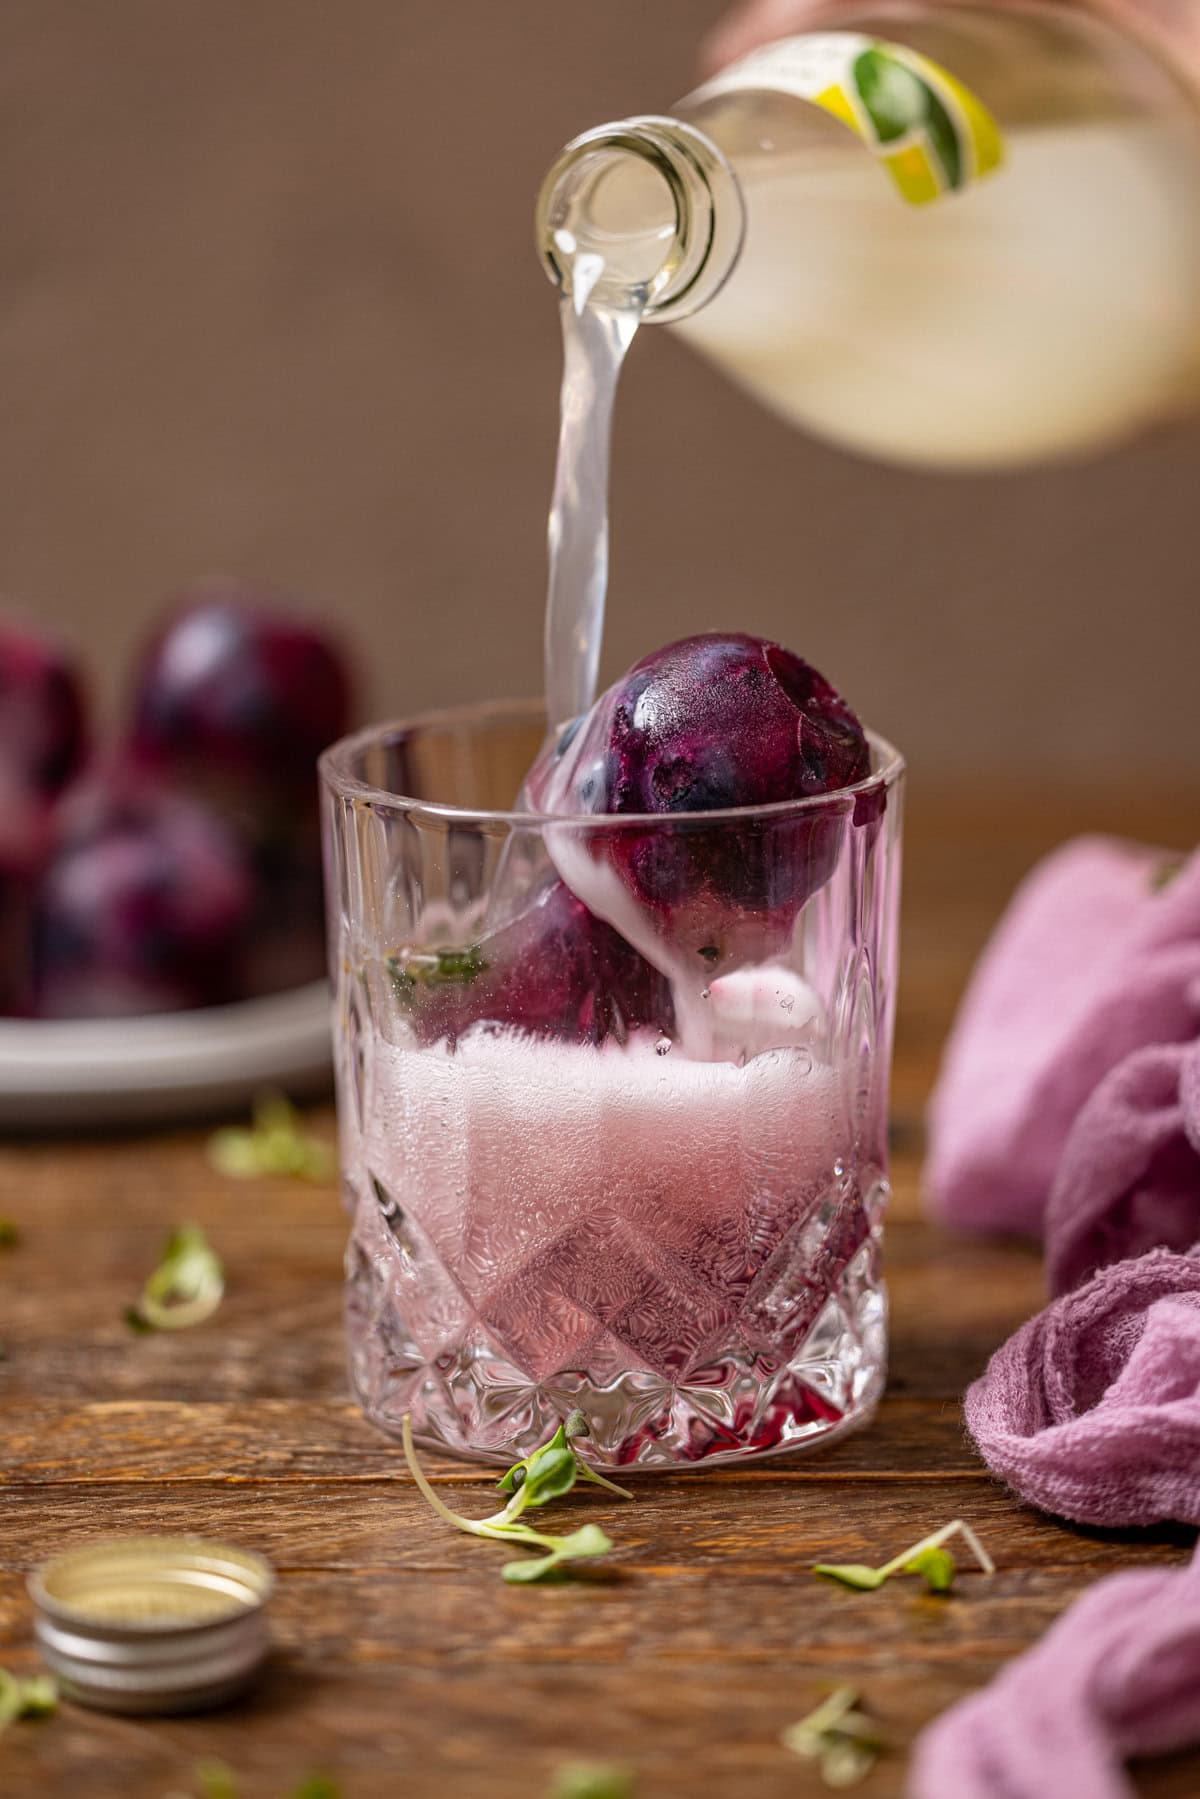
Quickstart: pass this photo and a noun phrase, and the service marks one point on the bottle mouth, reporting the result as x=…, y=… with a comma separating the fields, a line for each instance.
x=628, y=219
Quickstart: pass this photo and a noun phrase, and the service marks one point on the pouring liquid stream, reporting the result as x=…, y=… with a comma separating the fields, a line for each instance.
x=595, y=341
x=596, y=338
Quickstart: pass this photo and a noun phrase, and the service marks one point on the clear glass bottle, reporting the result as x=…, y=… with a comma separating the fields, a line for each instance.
x=1050, y=308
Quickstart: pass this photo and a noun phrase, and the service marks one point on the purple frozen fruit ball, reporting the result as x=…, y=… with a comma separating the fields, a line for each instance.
x=236, y=688
x=43, y=714
x=554, y=970
x=143, y=907
x=711, y=724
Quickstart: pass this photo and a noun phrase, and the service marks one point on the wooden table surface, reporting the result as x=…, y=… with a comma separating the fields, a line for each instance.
x=403, y=1664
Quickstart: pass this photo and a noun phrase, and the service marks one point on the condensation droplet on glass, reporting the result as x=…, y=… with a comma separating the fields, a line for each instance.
x=663, y=1046
x=803, y=1062
x=706, y=993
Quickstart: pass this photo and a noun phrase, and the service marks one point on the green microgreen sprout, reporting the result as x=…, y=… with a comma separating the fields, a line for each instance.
x=275, y=1144
x=839, y=1737
x=574, y=1426
x=927, y=1558
x=549, y=1473
x=10, y=1234
x=410, y=969
x=185, y=1289
x=35, y=1698
x=592, y=1780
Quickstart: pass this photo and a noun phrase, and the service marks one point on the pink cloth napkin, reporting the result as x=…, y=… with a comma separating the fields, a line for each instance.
x=1118, y=1675
x=1095, y=959
x=1069, y=1100
x=1129, y=1178
x=1092, y=1410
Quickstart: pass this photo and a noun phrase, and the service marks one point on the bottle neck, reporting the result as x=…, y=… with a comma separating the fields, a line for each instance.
x=644, y=215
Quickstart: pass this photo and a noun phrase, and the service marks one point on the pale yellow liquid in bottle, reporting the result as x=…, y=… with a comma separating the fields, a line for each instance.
x=1048, y=310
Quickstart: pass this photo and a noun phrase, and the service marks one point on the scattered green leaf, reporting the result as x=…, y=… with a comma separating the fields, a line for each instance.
x=589, y=1540
x=35, y=1698
x=185, y=1289
x=574, y=1427
x=10, y=1235
x=927, y=1558
x=592, y=1780
x=216, y=1781
x=549, y=1473
x=839, y=1737
x=219, y=1782
x=275, y=1144
x=853, y=1574
x=938, y=1567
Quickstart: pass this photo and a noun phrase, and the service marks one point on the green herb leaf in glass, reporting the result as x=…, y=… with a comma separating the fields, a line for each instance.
x=592, y=1780
x=411, y=969
x=185, y=1289
x=317, y=1786
x=10, y=1235
x=275, y=1144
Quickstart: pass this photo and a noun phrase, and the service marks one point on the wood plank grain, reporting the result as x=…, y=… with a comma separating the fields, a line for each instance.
x=709, y=1605
x=51, y=1441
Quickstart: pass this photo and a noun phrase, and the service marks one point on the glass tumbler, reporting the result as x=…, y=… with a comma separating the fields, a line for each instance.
x=612, y=1102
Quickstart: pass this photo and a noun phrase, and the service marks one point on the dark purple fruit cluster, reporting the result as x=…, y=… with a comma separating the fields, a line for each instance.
x=145, y=905
x=713, y=724
x=181, y=867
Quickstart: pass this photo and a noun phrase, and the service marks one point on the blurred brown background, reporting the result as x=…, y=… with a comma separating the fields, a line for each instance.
x=270, y=305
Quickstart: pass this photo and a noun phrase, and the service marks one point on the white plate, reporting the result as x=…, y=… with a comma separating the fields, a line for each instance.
x=174, y=1065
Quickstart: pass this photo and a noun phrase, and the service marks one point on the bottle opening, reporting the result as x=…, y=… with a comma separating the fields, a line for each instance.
x=643, y=216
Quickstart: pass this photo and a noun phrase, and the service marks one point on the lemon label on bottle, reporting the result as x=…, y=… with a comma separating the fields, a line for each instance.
x=932, y=134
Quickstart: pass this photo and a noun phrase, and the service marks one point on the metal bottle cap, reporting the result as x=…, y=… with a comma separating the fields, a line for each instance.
x=153, y=1624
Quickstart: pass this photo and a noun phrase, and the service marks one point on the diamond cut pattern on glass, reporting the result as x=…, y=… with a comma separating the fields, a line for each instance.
x=667, y=1367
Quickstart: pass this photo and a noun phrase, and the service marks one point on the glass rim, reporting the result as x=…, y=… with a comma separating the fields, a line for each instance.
x=336, y=773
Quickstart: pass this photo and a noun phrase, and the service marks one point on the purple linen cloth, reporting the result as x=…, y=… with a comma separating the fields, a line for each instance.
x=1118, y=1675
x=1129, y=1179
x=1094, y=959
x=1092, y=1410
